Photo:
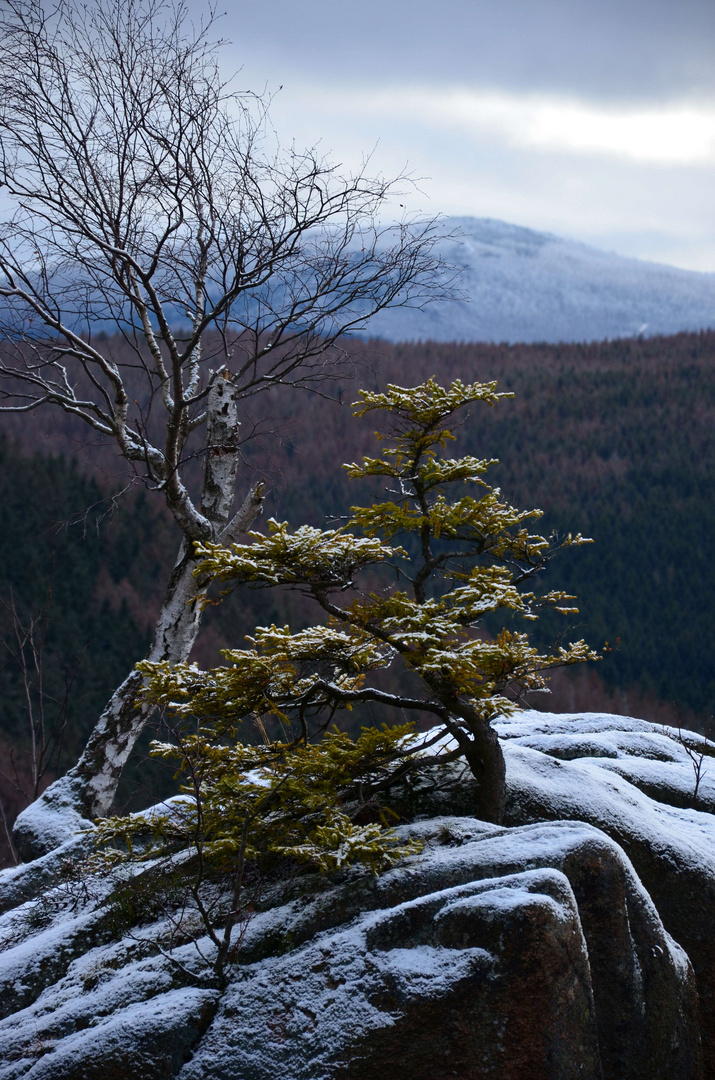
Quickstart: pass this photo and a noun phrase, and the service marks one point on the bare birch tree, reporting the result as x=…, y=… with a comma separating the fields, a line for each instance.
x=142, y=195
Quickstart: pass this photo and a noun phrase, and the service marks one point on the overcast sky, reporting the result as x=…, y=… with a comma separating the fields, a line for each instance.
x=593, y=119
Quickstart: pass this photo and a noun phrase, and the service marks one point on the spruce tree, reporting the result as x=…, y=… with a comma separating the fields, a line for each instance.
x=401, y=589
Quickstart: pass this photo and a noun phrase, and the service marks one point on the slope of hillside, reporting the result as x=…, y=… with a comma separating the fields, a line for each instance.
x=532, y=286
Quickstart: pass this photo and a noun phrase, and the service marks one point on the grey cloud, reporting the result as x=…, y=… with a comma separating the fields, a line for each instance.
x=607, y=49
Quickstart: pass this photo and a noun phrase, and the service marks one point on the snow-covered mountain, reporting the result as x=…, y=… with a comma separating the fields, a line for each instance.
x=533, y=286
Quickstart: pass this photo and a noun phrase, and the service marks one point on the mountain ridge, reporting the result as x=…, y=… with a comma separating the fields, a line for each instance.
x=526, y=286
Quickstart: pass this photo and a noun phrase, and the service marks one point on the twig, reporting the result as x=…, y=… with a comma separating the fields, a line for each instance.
x=696, y=758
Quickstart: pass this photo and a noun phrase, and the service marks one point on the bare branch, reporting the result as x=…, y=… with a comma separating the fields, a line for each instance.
x=146, y=197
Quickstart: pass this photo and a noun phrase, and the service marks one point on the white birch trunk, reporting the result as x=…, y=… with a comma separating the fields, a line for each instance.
x=87, y=791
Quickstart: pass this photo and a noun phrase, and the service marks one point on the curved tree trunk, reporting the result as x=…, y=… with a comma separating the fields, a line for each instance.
x=486, y=761
x=483, y=753
x=118, y=728
x=87, y=791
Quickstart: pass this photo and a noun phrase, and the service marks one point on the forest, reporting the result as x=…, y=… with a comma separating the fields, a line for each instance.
x=613, y=440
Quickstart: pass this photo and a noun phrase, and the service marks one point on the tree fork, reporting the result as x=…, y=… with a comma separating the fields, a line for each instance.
x=88, y=790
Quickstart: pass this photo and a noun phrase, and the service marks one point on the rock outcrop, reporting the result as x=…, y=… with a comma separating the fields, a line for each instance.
x=574, y=942
x=636, y=782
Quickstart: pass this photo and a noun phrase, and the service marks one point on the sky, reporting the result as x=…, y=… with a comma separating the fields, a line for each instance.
x=591, y=119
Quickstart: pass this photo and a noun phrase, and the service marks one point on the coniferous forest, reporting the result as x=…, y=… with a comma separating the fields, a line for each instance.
x=613, y=440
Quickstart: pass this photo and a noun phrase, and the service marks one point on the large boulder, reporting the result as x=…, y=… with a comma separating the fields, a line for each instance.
x=573, y=942
x=468, y=965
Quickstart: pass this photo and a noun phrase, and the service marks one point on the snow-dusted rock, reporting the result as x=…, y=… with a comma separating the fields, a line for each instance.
x=574, y=942
x=471, y=966
x=432, y=988
x=514, y=953
x=51, y=821
x=637, y=791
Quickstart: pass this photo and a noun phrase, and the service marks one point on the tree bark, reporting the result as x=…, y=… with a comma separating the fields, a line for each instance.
x=87, y=791
x=483, y=753
x=123, y=719
x=486, y=761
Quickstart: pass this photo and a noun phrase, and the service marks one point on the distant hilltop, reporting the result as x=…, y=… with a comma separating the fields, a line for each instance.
x=528, y=286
